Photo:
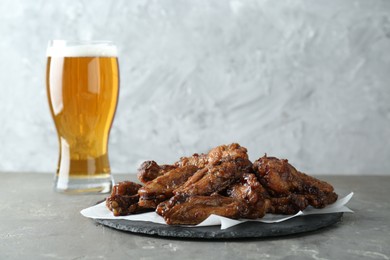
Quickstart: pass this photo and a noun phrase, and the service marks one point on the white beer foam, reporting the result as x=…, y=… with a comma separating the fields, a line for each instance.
x=85, y=50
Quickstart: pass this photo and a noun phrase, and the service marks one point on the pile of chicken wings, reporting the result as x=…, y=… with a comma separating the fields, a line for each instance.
x=222, y=182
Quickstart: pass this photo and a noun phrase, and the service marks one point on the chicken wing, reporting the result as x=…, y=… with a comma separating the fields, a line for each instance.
x=124, y=199
x=223, y=152
x=281, y=179
x=213, y=178
x=150, y=170
x=251, y=193
x=192, y=210
x=288, y=205
x=161, y=188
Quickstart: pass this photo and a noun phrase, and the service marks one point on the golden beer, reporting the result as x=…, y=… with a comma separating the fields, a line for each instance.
x=82, y=86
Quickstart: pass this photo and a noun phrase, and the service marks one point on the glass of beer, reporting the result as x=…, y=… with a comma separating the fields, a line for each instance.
x=82, y=81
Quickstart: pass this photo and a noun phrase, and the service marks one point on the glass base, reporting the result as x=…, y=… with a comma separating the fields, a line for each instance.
x=83, y=185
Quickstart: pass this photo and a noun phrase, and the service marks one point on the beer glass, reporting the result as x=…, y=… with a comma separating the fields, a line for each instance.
x=82, y=81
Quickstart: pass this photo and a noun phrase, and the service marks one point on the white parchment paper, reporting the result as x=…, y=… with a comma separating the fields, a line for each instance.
x=100, y=211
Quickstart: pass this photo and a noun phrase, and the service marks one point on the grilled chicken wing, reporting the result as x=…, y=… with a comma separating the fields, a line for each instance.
x=124, y=199
x=192, y=210
x=161, y=188
x=281, y=179
x=220, y=153
x=213, y=179
x=251, y=193
x=150, y=170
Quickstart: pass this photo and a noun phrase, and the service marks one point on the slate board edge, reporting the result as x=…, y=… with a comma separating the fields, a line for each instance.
x=245, y=230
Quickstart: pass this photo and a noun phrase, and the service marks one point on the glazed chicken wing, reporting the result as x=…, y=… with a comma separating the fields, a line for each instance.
x=124, y=199
x=161, y=188
x=192, y=210
x=251, y=193
x=213, y=179
x=150, y=170
x=223, y=152
x=281, y=179
x=287, y=205
x=246, y=199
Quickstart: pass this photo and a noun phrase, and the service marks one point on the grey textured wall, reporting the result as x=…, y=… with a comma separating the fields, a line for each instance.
x=304, y=80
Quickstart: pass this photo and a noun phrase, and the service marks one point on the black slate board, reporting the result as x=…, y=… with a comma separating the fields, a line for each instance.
x=245, y=230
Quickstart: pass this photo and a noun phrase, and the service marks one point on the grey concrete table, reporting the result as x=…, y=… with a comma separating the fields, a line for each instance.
x=37, y=223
